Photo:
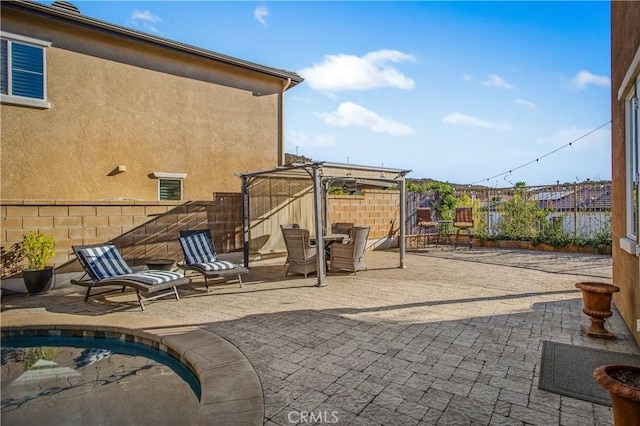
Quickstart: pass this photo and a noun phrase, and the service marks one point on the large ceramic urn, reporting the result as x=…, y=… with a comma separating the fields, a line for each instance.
x=623, y=384
x=596, y=297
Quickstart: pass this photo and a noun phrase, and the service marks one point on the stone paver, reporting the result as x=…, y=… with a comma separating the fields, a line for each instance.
x=454, y=338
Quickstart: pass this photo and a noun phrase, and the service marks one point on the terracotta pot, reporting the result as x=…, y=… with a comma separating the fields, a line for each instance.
x=623, y=384
x=597, y=304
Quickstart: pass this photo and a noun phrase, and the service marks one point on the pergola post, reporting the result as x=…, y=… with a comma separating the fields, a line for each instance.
x=245, y=220
x=403, y=221
x=317, y=204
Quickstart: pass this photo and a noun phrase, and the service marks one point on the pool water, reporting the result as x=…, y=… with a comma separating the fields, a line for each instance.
x=89, y=381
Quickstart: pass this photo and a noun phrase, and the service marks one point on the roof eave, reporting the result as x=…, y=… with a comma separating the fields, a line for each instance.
x=164, y=42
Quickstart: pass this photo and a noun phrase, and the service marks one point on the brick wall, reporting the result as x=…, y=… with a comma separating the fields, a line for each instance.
x=141, y=230
x=377, y=208
x=149, y=230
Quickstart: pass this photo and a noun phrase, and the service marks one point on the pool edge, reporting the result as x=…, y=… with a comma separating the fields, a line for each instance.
x=231, y=392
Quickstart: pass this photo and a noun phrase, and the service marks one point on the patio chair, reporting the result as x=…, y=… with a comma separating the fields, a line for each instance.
x=301, y=254
x=200, y=256
x=350, y=256
x=341, y=227
x=463, y=221
x=428, y=226
x=288, y=226
x=104, y=266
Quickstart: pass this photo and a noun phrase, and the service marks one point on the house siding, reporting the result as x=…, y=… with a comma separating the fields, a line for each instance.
x=625, y=40
x=119, y=101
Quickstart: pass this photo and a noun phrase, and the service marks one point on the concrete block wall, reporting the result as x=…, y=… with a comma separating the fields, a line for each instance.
x=141, y=230
x=377, y=208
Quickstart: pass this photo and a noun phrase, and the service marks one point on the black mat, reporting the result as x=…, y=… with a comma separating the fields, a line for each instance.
x=568, y=370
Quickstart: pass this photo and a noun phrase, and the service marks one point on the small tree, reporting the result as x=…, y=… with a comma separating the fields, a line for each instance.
x=520, y=217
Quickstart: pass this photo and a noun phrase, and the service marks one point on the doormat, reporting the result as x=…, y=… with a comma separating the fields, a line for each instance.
x=568, y=370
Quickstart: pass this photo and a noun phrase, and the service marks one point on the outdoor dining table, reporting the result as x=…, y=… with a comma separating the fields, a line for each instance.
x=330, y=239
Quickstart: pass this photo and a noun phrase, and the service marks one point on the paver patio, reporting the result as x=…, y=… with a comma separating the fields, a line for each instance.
x=455, y=338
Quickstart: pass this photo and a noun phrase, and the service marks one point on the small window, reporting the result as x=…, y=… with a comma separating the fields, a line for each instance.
x=170, y=189
x=23, y=71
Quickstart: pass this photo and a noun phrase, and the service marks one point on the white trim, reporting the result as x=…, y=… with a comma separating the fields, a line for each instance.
x=630, y=76
x=629, y=246
x=21, y=100
x=24, y=39
x=167, y=175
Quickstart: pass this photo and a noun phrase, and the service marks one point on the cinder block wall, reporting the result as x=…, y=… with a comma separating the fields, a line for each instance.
x=377, y=208
x=149, y=230
x=141, y=230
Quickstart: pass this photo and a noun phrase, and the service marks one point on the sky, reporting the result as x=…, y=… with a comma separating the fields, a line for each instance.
x=478, y=92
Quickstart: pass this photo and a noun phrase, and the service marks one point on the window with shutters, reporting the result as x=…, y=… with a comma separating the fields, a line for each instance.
x=23, y=71
x=170, y=189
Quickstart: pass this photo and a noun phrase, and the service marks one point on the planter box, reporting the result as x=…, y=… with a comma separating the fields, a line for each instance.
x=527, y=245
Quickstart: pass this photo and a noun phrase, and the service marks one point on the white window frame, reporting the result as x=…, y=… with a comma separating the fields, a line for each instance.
x=22, y=100
x=161, y=176
x=629, y=92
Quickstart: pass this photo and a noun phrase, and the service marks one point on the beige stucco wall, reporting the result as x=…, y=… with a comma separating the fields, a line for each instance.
x=625, y=41
x=117, y=101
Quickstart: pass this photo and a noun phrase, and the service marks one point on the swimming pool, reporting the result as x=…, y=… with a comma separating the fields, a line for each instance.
x=86, y=380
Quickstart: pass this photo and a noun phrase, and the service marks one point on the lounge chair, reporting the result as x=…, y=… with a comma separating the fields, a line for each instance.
x=301, y=254
x=104, y=266
x=350, y=256
x=200, y=256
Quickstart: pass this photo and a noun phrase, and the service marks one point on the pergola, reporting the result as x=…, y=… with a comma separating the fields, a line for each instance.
x=324, y=175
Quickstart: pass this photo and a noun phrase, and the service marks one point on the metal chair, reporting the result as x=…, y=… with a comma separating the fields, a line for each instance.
x=463, y=221
x=428, y=227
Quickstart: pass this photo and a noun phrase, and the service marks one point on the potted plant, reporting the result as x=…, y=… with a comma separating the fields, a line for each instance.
x=623, y=384
x=38, y=249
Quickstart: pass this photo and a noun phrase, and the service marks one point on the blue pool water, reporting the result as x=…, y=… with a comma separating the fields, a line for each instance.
x=68, y=380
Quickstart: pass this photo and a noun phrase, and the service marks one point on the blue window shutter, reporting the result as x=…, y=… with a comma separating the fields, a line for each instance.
x=27, y=71
x=4, y=70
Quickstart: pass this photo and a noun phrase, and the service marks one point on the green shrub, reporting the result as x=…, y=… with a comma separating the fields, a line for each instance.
x=38, y=249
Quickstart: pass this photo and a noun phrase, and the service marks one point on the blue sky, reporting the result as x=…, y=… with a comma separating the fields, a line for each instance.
x=460, y=92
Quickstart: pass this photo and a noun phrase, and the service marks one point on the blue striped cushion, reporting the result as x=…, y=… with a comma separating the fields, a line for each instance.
x=149, y=277
x=197, y=249
x=105, y=261
x=219, y=265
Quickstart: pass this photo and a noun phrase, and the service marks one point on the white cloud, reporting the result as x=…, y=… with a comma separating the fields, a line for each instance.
x=459, y=119
x=351, y=114
x=497, y=81
x=296, y=138
x=260, y=14
x=145, y=21
x=584, y=78
x=526, y=104
x=348, y=72
x=467, y=77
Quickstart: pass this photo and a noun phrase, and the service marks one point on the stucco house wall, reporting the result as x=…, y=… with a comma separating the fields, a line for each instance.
x=625, y=43
x=117, y=99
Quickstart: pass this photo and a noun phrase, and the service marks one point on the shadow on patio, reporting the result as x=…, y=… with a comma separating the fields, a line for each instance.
x=455, y=338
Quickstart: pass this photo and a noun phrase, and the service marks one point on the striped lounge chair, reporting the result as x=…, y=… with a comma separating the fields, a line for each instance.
x=200, y=256
x=104, y=266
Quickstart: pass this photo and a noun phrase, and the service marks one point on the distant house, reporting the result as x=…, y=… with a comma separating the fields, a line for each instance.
x=625, y=92
x=96, y=111
x=113, y=134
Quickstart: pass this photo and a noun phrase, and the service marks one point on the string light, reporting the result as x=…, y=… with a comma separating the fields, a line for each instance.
x=537, y=160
